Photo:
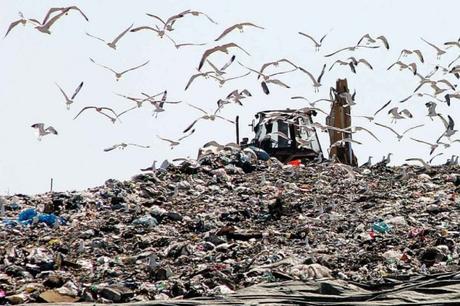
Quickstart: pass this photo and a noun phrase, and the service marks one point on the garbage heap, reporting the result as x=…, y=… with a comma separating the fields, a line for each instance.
x=227, y=222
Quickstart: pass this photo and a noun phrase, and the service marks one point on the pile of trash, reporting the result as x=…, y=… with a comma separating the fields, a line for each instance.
x=226, y=222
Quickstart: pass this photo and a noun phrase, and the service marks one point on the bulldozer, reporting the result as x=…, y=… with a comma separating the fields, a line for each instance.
x=273, y=126
x=289, y=135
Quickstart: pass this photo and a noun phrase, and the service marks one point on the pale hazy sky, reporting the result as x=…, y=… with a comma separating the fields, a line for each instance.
x=31, y=62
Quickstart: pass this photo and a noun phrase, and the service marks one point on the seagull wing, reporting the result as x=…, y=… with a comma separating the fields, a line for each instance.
x=51, y=11
x=76, y=91
x=108, y=68
x=185, y=136
x=79, y=10
x=407, y=113
x=156, y=17
x=420, y=55
x=110, y=110
x=227, y=64
x=54, y=19
x=226, y=31
x=444, y=81
x=385, y=41
x=309, y=74
x=220, y=117
x=414, y=127
x=138, y=145
x=122, y=34
x=430, y=44
x=197, y=108
x=364, y=129
x=278, y=82
x=300, y=97
x=421, y=141
x=365, y=36
x=13, y=24
x=265, y=87
x=134, y=68
x=251, y=69
x=125, y=111
x=82, y=110
x=212, y=66
x=321, y=74
x=237, y=77
x=193, y=77
x=389, y=128
x=311, y=38
x=282, y=72
x=62, y=91
x=144, y=28
x=112, y=148
x=52, y=130
x=98, y=38
x=405, y=99
x=444, y=121
x=340, y=50
x=362, y=60
x=191, y=125
x=451, y=124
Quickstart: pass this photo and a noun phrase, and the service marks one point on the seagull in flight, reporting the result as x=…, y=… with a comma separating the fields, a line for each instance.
x=46, y=24
x=22, y=21
x=68, y=100
x=352, y=48
x=267, y=78
x=342, y=143
x=222, y=48
x=449, y=127
x=439, y=51
x=433, y=146
x=113, y=43
x=399, y=115
x=317, y=81
x=159, y=104
x=355, y=129
x=275, y=64
x=206, y=116
x=206, y=75
x=221, y=80
x=66, y=10
x=412, y=66
x=419, y=94
x=239, y=26
x=118, y=75
x=312, y=104
x=406, y=52
x=221, y=71
x=174, y=143
x=398, y=136
x=100, y=110
x=123, y=146
x=42, y=131
x=381, y=108
x=317, y=44
x=431, y=109
x=369, y=40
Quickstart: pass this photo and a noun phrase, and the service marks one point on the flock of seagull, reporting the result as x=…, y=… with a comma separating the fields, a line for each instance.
x=441, y=81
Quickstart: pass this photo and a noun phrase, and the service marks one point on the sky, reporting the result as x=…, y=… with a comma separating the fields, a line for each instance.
x=32, y=62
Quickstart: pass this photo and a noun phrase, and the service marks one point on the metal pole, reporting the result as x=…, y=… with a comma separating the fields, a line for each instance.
x=237, y=123
x=51, y=185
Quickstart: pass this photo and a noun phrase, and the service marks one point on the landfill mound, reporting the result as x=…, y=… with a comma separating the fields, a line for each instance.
x=213, y=227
